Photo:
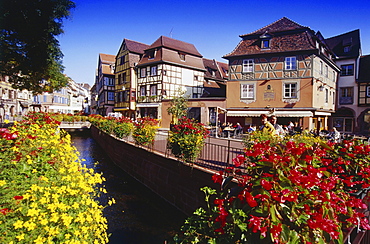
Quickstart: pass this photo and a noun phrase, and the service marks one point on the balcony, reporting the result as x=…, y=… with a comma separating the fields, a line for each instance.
x=149, y=99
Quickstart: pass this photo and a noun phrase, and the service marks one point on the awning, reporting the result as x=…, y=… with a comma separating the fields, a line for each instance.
x=72, y=108
x=276, y=113
x=293, y=114
x=322, y=114
x=147, y=105
x=121, y=109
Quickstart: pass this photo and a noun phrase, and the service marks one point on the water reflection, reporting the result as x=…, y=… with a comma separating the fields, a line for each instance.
x=139, y=216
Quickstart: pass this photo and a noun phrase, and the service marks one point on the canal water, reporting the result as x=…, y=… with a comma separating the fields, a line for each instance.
x=139, y=216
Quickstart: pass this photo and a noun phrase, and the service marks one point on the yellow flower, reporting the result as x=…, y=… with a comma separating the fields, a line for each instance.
x=6, y=121
x=33, y=212
x=2, y=182
x=18, y=224
x=30, y=225
x=44, y=221
x=20, y=237
x=39, y=240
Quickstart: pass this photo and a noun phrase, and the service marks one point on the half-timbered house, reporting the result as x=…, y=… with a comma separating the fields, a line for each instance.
x=167, y=66
x=129, y=55
x=284, y=69
x=105, y=84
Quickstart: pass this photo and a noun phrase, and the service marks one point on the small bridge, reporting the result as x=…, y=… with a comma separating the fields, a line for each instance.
x=75, y=126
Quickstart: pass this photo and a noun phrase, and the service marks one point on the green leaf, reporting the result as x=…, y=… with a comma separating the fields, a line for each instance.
x=265, y=163
x=273, y=212
x=293, y=237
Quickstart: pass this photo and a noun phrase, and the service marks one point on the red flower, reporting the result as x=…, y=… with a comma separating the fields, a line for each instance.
x=266, y=184
x=276, y=230
x=18, y=197
x=250, y=200
x=4, y=211
x=239, y=160
x=217, y=178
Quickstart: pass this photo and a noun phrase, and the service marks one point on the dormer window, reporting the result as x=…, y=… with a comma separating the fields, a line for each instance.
x=182, y=56
x=151, y=54
x=265, y=40
x=265, y=44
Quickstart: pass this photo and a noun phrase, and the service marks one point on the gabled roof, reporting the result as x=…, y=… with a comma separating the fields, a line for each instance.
x=284, y=34
x=350, y=39
x=107, y=58
x=174, y=52
x=283, y=24
x=218, y=68
x=364, y=69
x=174, y=44
x=134, y=46
x=224, y=69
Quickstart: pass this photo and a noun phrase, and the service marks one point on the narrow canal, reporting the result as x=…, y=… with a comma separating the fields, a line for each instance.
x=139, y=216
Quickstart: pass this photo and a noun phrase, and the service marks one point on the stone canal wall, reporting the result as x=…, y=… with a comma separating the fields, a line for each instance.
x=175, y=182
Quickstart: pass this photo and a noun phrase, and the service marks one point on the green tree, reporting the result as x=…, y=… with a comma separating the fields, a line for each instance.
x=178, y=106
x=30, y=53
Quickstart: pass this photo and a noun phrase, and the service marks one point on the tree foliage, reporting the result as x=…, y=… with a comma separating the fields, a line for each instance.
x=30, y=53
x=178, y=106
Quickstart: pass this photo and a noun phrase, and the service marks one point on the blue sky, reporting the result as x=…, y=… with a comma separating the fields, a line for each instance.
x=99, y=26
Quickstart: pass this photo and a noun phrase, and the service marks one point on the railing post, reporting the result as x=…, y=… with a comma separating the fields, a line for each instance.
x=228, y=152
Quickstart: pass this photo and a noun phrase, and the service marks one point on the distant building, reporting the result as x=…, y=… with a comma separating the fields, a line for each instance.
x=364, y=95
x=70, y=99
x=347, y=49
x=13, y=102
x=105, y=85
x=284, y=69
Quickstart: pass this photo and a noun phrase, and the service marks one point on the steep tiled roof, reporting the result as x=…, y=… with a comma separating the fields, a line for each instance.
x=215, y=66
x=285, y=35
x=135, y=47
x=224, y=69
x=168, y=50
x=107, y=58
x=283, y=24
x=351, y=40
x=174, y=44
x=364, y=72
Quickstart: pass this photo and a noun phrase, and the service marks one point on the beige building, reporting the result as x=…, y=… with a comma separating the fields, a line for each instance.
x=284, y=69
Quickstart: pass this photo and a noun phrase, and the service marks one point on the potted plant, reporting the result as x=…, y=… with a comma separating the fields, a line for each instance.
x=186, y=139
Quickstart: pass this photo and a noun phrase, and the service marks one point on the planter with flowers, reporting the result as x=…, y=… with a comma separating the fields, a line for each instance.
x=186, y=139
x=123, y=127
x=145, y=130
x=287, y=192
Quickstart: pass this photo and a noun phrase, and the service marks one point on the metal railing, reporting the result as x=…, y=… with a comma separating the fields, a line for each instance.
x=213, y=156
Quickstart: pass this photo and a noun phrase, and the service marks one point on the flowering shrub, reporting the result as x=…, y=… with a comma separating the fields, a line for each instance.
x=145, y=130
x=47, y=196
x=123, y=127
x=286, y=192
x=186, y=139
